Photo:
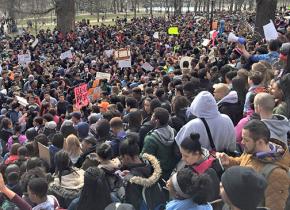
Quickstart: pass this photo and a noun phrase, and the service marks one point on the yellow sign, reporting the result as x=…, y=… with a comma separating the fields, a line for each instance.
x=173, y=31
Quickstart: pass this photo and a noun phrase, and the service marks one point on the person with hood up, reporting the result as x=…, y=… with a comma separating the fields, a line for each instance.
x=220, y=126
x=228, y=102
x=278, y=124
x=261, y=155
x=160, y=142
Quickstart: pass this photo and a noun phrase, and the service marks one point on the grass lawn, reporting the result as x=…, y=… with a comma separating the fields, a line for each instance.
x=48, y=19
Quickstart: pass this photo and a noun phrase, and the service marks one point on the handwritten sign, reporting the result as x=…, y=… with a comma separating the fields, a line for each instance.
x=67, y=54
x=24, y=59
x=122, y=54
x=81, y=96
x=101, y=75
x=270, y=31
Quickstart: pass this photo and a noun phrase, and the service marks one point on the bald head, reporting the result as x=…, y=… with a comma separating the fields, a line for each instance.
x=220, y=91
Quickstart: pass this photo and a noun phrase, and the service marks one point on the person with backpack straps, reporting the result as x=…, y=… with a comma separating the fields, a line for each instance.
x=260, y=151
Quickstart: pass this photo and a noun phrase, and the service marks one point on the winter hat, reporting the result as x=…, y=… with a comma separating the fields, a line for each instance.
x=244, y=187
x=83, y=130
x=67, y=128
x=50, y=125
x=94, y=117
x=30, y=134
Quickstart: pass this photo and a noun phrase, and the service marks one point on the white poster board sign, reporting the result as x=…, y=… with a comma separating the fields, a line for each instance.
x=102, y=75
x=67, y=54
x=156, y=35
x=147, y=67
x=24, y=59
x=109, y=53
x=270, y=31
x=33, y=45
x=124, y=63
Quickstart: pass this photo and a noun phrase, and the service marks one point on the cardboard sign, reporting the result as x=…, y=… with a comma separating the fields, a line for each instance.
x=101, y=75
x=122, y=54
x=146, y=66
x=81, y=96
x=109, y=53
x=270, y=31
x=173, y=31
x=44, y=152
x=156, y=35
x=24, y=59
x=67, y=54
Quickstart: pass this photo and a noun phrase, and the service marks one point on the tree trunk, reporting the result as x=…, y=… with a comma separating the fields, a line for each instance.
x=10, y=9
x=231, y=5
x=263, y=16
x=251, y=5
x=151, y=8
x=65, y=15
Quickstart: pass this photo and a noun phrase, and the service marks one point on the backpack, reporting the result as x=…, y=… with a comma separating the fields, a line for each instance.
x=115, y=184
x=153, y=198
x=266, y=171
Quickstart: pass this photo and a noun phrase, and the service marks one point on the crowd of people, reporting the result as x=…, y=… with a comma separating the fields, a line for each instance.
x=210, y=132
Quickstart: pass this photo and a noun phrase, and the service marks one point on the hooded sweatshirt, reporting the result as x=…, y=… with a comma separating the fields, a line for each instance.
x=160, y=143
x=279, y=127
x=220, y=125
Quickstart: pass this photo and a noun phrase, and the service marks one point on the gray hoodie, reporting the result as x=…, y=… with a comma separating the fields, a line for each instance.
x=279, y=127
x=221, y=126
x=165, y=135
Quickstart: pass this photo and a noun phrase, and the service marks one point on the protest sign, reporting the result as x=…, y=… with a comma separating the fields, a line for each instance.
x=270, y=31
x=81, y=96
x=101, y=75
x=185, y=59
x=67, y=54
x=156, y=35
x=124, y=63
x=205, y=42
x=122, y=54
x=44, y=152
x=22, y=101
x=109, y=53
x=24, y=59
x=173, y=31
x=146, y=66
x=33, y=45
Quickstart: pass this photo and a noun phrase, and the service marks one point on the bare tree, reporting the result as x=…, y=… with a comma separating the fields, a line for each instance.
x=65, y=15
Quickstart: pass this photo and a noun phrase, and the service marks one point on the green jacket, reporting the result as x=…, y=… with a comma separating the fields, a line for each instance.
x=160, y=143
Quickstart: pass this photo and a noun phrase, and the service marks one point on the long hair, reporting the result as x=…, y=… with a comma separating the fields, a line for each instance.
x=72, y=146
x=95, y=194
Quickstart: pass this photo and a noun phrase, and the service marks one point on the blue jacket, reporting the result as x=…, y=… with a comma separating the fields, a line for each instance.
x=271, y=57
x=186, y=204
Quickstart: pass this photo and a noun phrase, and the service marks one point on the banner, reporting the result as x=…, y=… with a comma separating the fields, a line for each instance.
x=24, y=59
x=101, y=75
x=67, y=54
x=81, y=96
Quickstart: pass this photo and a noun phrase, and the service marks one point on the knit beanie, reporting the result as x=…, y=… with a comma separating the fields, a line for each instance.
x=67, y=128
x=244, y=187
x=83, y=130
